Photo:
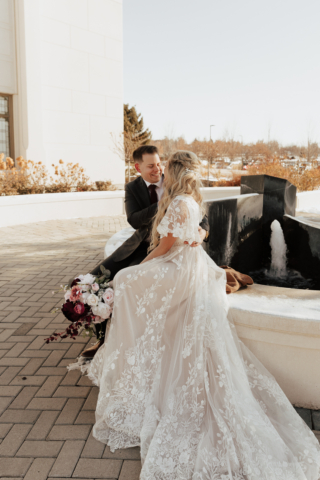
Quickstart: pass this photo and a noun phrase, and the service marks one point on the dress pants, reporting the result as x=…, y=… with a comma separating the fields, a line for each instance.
x=109, y=263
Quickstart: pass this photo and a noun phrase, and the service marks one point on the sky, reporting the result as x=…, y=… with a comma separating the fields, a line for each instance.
x=251, y=68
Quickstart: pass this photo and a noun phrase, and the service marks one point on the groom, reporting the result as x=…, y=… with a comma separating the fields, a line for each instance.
x=141, y=202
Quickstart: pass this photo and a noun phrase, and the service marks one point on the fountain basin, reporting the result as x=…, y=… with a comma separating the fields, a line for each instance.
x=281, y=326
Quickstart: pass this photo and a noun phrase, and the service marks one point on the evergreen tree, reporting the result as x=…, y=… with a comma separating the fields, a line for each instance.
x=134, y=127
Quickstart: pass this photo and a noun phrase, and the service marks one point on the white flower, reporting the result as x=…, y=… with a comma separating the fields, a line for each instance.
x=102, y=309
x=84, y=297
x=88, y=278
x=108, y=296
x=93, y=300
x=67, y=295
x=184, y=457
x=131, y=360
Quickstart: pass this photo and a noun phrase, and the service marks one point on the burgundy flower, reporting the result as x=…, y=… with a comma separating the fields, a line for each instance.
x=75, y=282
x=79, y=308
x=68, y=310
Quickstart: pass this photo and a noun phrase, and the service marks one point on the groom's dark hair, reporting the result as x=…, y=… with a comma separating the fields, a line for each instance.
x=137, y=154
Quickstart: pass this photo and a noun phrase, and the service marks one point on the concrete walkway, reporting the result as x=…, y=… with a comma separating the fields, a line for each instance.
x=46, y=414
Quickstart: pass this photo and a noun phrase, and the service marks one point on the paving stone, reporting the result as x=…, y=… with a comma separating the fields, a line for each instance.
x=33, y=380
x=4, y=429
x=24, y=397
x=6, y=345
x=71, y=378
x=43, y=425
x=14, y=467
x=8, y=375
x=67, y=459
x=51, y=371
x=39, y=469
x=97, y=468
x=21, y=338
x=35, y=354
x=122, y=453
x=10, y=391
x=86, y=417
x=70, y=411
x=69, y=432
x=74, y=351
x=14, y=440
x=37, y=343
x=93, y=448
x=13, y=362
x=46, y=404
x=4, y=403
x=91, y=401
x=5, y=334
x=57, y=346
x=64, y=363
x=54, y=358
x=32, y=366
x=24, y=329
x=130, y=470
x=39, y=448
x=49, y=386
x=16, y=350
x=85, y=381
x=19, y=416
x=76, y=392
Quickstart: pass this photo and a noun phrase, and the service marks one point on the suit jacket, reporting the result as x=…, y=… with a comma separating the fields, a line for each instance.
x=140, y=213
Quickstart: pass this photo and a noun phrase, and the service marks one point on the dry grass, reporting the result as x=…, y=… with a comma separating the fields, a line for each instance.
x=28, y=177
x=306, y=180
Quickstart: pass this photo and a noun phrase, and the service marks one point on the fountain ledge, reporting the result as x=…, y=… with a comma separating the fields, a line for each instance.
x=281, y=326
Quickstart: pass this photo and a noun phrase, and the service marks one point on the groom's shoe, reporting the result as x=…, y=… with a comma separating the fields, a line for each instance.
x=91, y=351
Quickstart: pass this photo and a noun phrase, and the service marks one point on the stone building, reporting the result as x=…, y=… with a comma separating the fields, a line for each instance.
x=61, y=93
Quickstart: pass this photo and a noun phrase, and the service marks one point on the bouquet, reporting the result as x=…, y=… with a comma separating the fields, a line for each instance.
x=88, y=301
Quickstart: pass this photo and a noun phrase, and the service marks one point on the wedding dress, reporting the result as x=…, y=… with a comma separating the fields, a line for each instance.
x=175, y=379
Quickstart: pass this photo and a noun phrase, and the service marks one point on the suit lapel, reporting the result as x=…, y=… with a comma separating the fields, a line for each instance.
x=142, y=192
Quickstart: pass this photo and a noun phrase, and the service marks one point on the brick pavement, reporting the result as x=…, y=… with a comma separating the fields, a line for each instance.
x=46, y=413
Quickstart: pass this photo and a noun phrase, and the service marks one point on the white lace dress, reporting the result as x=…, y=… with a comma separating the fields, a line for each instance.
x=175, y=379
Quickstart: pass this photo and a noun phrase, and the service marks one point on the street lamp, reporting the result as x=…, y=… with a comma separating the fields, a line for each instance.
x=208, y=157
x=241, y=151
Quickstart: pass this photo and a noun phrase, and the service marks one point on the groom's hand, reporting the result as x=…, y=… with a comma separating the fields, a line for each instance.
x=202, y=234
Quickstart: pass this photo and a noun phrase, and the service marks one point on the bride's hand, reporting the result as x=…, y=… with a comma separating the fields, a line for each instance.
x=202, y=234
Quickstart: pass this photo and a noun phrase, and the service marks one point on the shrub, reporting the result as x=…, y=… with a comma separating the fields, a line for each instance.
x=29, y=177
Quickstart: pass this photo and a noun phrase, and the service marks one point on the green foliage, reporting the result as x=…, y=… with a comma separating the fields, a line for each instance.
x=134, y=126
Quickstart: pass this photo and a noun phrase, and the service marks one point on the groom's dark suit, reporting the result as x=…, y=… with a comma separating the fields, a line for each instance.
x=140, y=213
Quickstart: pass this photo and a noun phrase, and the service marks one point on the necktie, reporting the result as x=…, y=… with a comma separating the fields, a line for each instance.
x=153, y=193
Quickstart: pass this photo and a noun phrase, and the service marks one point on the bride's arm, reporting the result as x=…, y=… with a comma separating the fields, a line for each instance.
x=163, y=247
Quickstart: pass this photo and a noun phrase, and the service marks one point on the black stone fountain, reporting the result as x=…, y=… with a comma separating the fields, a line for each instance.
x=258, y=233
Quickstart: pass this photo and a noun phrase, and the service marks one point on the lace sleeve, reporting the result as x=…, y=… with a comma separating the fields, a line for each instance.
x=182, y=220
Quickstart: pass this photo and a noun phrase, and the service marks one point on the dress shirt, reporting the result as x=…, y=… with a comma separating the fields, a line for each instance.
x=159, y=187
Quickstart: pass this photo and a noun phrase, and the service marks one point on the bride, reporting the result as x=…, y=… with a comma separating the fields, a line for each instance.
x=174, y=377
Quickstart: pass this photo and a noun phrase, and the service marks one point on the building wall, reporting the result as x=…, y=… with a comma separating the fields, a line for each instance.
x=7, y=48
x=68, y=89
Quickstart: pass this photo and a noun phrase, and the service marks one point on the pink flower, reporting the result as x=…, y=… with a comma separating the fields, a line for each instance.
x=97, y=319
x=95, y=287
x=79, y=308
x=108, y=296
x=75, y=293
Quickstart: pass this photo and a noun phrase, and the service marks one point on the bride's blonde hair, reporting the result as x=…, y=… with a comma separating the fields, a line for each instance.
x=182, y=178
